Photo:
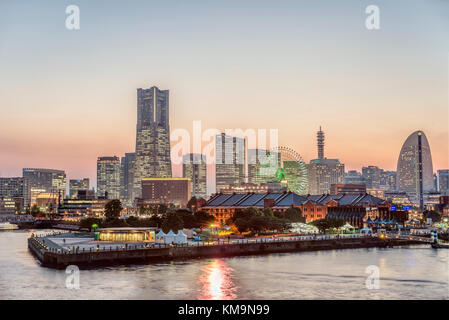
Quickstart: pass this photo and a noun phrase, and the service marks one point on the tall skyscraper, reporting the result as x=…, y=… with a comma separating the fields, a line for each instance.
x=76, y=185
x=323, y=172
x=263, y=165
x=443, y=182
x=108, y=177
x=127, y=178
x=44, y=181
x=320, y=143
x=194, y=167
x=415, y=169
x=152, y=157
x=230, y=161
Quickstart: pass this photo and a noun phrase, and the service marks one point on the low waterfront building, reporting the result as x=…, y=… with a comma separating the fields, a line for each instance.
x=126, y=234
x=313, y=207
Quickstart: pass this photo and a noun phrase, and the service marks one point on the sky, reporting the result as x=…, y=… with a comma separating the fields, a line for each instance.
x=69, y=96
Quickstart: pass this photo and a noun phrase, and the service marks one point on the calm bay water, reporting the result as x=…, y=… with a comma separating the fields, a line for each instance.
x=416, y=272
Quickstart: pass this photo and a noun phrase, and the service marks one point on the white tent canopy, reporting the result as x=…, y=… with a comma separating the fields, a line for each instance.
x=160, y=234
x=181, y=237
x=170, y=237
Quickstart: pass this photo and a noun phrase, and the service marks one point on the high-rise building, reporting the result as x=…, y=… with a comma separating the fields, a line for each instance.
x=372, y=176
x=388, y=180
x=44, y=181
x=127, y=178
x=443, y=182
x=76, y=185
x=323, y=172
x=229, y=161
x=263, y=165
x=415, y=169
x=13, y=189
x=152, y=157
x=194, y=167
x=108, y=177
x=320, y=143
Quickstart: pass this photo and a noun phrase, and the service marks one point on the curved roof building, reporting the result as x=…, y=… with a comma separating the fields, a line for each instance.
x=415, y=169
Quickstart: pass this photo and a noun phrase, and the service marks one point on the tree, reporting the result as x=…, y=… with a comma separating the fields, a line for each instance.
x=112, y=209
x=191, y=205
x=241, y=224
x=203, y=219
x=35, y=211
x=172, y=221
x=293, y=215
x=187, y=217
x=89, y=222
x=435, y=216
x=328, y=223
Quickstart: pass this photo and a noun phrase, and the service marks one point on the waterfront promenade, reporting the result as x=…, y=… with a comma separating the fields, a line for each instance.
x=58, y=250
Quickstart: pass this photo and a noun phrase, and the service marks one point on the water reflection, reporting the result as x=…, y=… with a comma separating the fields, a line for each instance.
x=217, y=281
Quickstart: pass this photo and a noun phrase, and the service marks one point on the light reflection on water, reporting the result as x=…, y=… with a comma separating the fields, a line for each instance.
x=406, y=273
x=216, y=281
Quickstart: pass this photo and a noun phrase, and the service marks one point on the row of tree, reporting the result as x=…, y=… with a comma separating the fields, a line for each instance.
x=255, y=220
x=160, y=216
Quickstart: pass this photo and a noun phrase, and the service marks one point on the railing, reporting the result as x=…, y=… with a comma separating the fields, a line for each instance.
x=40, y=242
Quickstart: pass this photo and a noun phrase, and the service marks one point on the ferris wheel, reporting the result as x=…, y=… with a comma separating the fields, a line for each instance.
x=293, y=170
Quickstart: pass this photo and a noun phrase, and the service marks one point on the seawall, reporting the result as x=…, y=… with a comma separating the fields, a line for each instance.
x=60, y=260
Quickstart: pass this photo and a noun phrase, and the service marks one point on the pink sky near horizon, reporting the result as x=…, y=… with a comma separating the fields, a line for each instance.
x=68, y=97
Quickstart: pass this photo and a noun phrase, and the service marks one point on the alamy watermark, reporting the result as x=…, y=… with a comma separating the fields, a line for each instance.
x=373, y=280
x=72, y=21
x=372, y=21
x=72, y=280
x=224, y=147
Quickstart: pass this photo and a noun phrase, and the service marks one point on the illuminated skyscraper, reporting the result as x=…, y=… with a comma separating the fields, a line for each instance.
x=194, y=167
x=127, y=178
x=108, y=177
x=229, y=161
x=443, y=182
x=152, y=157
x=263, y=165
x=415, y=169
x=320, y=143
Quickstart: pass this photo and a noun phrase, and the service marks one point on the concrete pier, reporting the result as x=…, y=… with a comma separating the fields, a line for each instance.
x=144, y=253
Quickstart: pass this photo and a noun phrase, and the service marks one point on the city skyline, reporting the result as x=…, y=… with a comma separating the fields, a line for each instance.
x=367, y=94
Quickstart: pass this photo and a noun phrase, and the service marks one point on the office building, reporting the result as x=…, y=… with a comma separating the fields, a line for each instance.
x=108, y=177
x=354, y=189
x=443, y=182
x=229, y=161
x=263, y=165
x=76, y=185
x=152, y=156
x=170, y=191
x=127, y=178
x=371, y=174
x=194, y=167
x=415, y=169
x=43, y=180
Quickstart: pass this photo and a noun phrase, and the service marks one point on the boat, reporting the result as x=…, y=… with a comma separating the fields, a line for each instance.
x=8, y=226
